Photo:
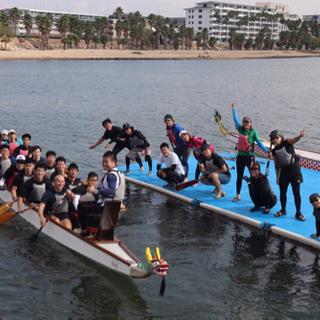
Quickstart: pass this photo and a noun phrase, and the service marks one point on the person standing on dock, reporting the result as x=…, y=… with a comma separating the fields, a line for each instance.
x=215, y=170
x=247, y=137
x=288, y=170
x=260, y=190
x=179, y=147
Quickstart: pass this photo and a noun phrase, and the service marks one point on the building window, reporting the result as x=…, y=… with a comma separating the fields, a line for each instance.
x=200, y=22
x=199, y=16
x=192, y=17
x=200, y=10
x=199, y=28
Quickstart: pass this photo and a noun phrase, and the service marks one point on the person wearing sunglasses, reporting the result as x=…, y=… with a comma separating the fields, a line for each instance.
x=247, y=137
x=260, y=190
x=288, y=170
x=315, y=201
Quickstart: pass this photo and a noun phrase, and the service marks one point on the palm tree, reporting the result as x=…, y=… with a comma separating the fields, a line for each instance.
x=151, y=20
x=104, y=39
x=15, y=16
x=205, y=35
x=44, y=25
x=63, y=25
x=118, y=13
x=96, y=41
x=171, y=36
x=126, y=29
x=5, y=20
x=27, y=21
x=218, y=18
x=198, y=39
x=159, y=24
x=88, y=33
x=189, y=37
x=119, y=31
x=76, y=28
x=182, y=33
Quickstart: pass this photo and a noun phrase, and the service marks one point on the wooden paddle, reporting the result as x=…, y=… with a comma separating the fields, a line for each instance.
x=186, y=184
x=7, y=216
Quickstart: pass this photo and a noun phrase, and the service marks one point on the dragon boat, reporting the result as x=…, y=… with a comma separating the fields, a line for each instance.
x=113, y=255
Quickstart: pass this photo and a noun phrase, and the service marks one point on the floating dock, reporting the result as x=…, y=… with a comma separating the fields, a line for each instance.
x=287, y=226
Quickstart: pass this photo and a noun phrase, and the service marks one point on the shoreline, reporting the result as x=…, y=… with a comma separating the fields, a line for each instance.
x=115, y=54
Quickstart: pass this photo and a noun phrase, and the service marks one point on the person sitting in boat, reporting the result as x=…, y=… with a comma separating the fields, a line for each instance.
x=72, y=181
x=6, y=160
x=215, y=170
x=33, y=189
x=13, y=142
x=288, y=170
x=179, y=147
x=112, y=132
x=136, y=143
x=260, y=190
x=24, y=148
x=315, y=201
x=83, y=195
x=56, y=203
x=21, y=178
x=4, y=137
x=247, y=137
x=61, y=165
x=12, y=171
x=50, y=163
x=35, y=154
x=194, y=143
x=112, y=189
x=174, y=172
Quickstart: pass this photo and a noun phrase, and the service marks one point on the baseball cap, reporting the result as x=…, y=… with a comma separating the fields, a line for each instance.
x=182, y=132
x=11, y=131
x=4, y=131
x=247, y=119
x=205, y=146
x=21, y=158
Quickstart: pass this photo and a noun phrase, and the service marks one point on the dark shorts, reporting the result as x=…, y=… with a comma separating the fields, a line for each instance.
x=61, y=216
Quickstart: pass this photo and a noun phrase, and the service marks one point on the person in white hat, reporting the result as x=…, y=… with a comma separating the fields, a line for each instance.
x=14, y=169
x=4, y=137
x=13, y=141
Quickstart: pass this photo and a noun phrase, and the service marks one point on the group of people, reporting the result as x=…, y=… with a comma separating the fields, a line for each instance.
x=54, y=188
x=74, y=204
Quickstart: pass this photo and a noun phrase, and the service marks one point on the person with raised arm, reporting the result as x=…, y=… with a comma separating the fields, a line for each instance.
x=247, y=137
x=288, y=170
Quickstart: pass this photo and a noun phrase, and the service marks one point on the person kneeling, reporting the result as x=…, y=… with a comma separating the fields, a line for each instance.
x=91, y=213
x=174, y=172
x=260, y=190
x=215, y=170
x=315, y=201
x=56, y=203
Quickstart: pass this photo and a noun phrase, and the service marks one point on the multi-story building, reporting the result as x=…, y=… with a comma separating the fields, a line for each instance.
x=315, y=17
x=56, y=16
x=277, y=7
x=220, y=17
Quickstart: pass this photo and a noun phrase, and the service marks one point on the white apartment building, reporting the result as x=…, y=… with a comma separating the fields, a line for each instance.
x=277, y=7
x=315, y=17
x=56, y=16
x=203, y=16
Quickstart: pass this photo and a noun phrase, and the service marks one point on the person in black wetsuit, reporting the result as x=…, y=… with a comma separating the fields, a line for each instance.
x=72, y=181
x=112, y=132
x=287, y=167
x=260, y=190
x=315, y=201
x=136, y=143
x=50, y=165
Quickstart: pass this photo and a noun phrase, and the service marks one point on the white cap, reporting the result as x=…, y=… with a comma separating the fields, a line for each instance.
x=21, y=157
x=11, y=131
x=182, y=132
x=4, y=131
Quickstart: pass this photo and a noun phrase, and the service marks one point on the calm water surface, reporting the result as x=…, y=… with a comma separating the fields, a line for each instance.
x=218, y=268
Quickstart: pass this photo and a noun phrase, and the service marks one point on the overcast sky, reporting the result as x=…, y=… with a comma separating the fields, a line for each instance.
x=168, y=8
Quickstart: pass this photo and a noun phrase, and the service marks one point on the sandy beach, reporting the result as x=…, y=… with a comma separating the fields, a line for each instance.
x=108, y=54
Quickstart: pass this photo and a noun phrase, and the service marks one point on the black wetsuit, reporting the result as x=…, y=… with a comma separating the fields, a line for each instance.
x=113, y=134
x=316, y=213
x=289, y=172
x=260, y=192
x=33, y=190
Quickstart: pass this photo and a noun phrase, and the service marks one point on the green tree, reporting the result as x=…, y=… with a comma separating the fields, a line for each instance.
x=248, y=44
x=15, y=17
x=63, y=25
x=88, y=33
x=104, y=39
x=44, y=24
x=96, y=41
x=212, y=42
x=176, y=43
x=151, y=20
x=118, y=13
x=198, y=39
x=27, y=21
x=119, y=31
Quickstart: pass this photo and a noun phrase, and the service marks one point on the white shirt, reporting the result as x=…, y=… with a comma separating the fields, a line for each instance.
x=170, y=160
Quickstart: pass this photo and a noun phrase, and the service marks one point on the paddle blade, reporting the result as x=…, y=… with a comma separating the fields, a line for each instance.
x=163, y=286
x=34, y=237
x=186, y=185
x=6, y=217
x=5, y=207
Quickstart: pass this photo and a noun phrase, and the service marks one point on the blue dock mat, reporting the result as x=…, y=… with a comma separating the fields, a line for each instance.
x=287, y=226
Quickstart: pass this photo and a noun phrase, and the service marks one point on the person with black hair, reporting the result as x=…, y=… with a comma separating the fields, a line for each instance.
x=61, y=165
x=35, y=153
x=50, y=165
x=5, y=160
x=288, y=170
x=24, y=149
x=136, y=143
x=315, y=201
x=72, y=181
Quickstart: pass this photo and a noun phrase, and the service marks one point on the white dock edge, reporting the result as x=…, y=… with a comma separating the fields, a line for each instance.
x=235, y=216
x=293, y=236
